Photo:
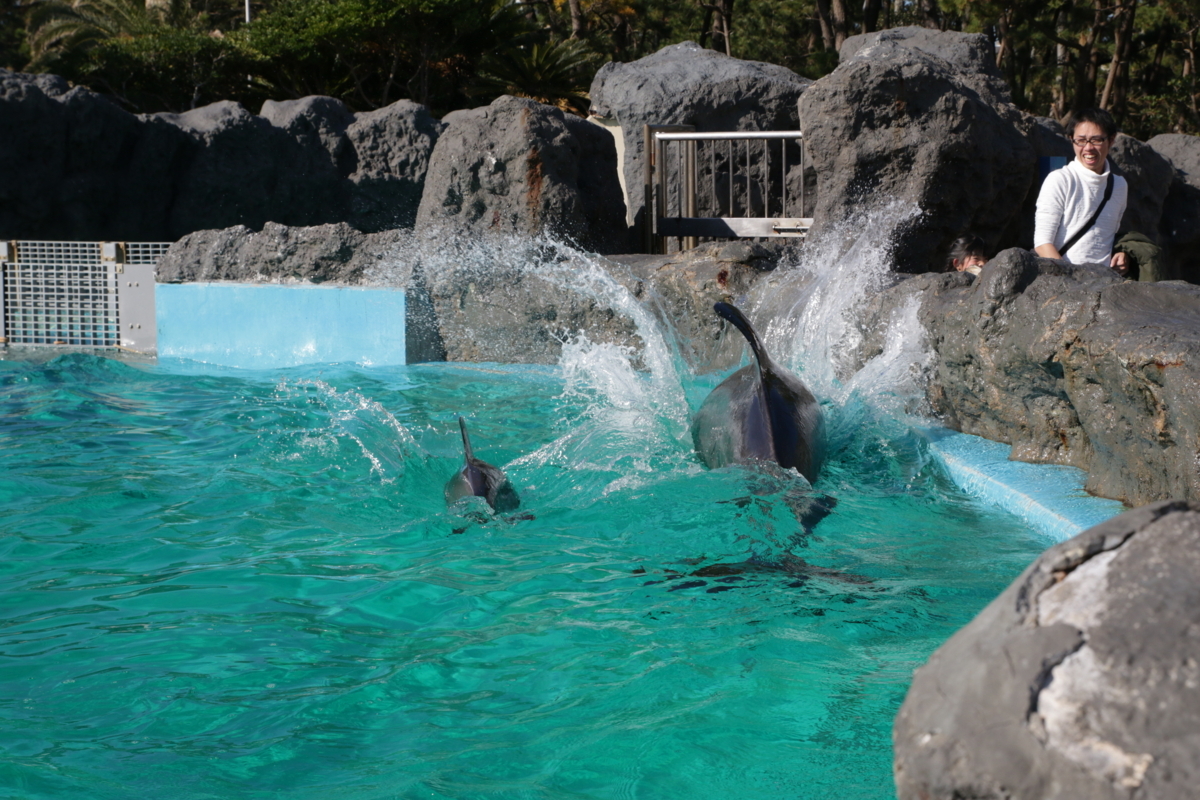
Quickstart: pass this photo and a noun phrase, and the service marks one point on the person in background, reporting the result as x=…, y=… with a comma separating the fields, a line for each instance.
x=966, y=255
x=1080, y=206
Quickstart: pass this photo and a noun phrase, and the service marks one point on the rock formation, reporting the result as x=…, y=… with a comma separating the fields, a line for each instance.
x=521, y=167
x=1079, y=682
x=75, y=166
x=1179, y=228
x=1068, y=364
x=924, y=117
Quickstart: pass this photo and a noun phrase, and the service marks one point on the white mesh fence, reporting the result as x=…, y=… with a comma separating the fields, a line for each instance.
x=65, y=293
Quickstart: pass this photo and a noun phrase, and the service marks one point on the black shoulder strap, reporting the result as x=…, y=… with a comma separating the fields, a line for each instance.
x=1087, y=226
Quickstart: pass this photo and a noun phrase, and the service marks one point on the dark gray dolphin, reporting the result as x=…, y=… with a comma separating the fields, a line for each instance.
x=762, y=412
x=480, y=479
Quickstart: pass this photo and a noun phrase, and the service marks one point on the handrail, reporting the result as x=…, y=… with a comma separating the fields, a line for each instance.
x=736, y=135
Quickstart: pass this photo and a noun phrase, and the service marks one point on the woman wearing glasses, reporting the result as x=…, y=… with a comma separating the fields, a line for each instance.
x=1080, y=206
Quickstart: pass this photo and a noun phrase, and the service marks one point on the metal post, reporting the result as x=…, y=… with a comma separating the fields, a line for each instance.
x=729, y=159
x=712, y=164
x=783, y=159
x=648, y=191
x=802, y=178
x=690, y=242
x=749, y=198
x=660, y=152
x=766, y=171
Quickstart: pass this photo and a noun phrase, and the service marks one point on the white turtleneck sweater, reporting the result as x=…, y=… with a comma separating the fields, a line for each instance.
x=1068, y=199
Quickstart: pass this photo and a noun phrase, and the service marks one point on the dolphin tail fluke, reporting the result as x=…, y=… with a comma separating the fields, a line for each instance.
x=462, y=426
x=732, y=314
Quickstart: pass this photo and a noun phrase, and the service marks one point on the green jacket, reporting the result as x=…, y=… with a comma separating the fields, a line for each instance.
x=1149, y=264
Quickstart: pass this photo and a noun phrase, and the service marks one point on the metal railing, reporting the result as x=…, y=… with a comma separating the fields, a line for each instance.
x=738, y=180
x=79, y=294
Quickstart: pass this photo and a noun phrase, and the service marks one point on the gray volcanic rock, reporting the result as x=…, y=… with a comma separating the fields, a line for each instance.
x=75, y=166
x=334, y=252
x=516, y=315
x=685, y=84
x=1149, y=176
x=391, y=148
x=1079, y=682
x=897, y=121
x=1068, y=364
x=518, y=166
x=234, y=169
x=519, y=307
x=1046, y=136
x=972, y=56
x=681, y=289
x=318, y=123
x=1179, y=228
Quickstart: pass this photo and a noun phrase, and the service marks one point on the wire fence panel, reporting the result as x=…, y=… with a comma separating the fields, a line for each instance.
x=66, y=293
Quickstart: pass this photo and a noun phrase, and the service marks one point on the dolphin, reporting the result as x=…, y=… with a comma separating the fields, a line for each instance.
x=762, y=412
x=480, y=479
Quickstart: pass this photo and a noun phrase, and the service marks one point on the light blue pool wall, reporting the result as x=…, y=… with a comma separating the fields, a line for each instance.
x=267, y=326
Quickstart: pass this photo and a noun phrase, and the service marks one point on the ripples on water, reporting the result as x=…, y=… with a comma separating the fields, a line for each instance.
x=222, y=583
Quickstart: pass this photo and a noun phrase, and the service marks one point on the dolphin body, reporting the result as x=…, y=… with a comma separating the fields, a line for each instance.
x=762, y=412
x=480, y=479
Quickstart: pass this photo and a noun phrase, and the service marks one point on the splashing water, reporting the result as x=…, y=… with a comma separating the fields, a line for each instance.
x=812, y=304
x=246, y=584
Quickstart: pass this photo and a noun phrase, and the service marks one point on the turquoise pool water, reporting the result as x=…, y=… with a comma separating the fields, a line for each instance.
x=234, y=584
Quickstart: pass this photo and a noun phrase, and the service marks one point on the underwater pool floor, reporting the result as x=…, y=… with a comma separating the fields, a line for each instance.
x=246, y=584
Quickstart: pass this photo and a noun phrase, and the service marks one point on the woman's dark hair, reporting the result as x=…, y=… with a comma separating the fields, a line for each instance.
x=1097, y=116
x=965, y=246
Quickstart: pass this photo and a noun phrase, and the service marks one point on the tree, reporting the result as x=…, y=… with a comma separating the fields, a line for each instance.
x=372, y=52
x=554, y=73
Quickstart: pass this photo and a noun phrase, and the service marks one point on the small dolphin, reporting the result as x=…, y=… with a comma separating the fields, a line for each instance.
x=762, y=412
x=480, y=479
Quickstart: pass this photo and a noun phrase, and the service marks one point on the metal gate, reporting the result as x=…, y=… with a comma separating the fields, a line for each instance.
x=79, y=294
x=735, y=179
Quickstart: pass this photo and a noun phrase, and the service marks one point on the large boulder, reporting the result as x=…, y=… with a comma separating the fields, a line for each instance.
x=75, y=166
x=1179, y=228
x=1068, y=364
x=919, y=117
x=233, y=170
x=1079, y=682
x=391, y=148
x=685, y=84
x=971, y=57
x=521, y=167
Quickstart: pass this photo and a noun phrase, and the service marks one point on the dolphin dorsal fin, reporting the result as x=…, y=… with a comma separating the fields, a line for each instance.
x=462, y=425
x=731, y=313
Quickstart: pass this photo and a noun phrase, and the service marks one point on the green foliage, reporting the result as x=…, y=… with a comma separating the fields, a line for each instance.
x=452, y=54
x=14, y=49
x=172, y=69
x=372, y=52
x=554, y=73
